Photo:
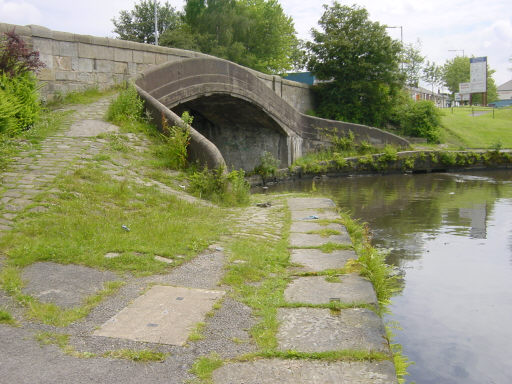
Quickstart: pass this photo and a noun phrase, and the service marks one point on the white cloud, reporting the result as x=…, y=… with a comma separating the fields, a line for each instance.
x=480, y=28
x=19, y=12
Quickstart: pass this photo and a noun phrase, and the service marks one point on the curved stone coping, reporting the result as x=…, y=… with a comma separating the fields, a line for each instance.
x=200, y=148
x=172, y=83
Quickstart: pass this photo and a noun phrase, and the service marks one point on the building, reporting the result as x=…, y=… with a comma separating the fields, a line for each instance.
x=419, y=93
x=505, y=91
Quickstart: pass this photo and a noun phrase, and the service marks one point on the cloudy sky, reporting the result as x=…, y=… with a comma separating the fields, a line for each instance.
x=478, y=28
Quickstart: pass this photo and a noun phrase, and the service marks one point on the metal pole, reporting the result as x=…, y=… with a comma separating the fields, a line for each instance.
x=156, y=23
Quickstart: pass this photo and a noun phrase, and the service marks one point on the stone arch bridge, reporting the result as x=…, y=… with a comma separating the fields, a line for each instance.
x=237, y=116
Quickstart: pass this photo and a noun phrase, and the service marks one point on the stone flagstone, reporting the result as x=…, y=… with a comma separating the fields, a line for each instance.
x=301, y=203
x=164, y=315
x=316, y=290
x=320, y=330
x=306, y=372
x=314, y=260
x=314, y=240
x=64, y=285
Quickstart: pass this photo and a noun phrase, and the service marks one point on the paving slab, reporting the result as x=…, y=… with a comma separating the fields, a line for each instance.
x=306, y=372
x=321, y=330
x=352, y=288
x=301, y=203
x=322, y=214
x=308, y=226
x=314, y=240
x=90, y=128
x=64, y=285
x=314, y=260
x=164, y=315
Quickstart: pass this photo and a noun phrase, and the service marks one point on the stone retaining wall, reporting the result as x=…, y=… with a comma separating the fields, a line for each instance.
x=76, y=62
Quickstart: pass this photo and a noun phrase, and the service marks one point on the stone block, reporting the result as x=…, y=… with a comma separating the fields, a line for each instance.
x=352, y=288
x=314, y=260
x=321, y=214
x=85, y=65
x=314, y=240
x=138, y=56
x=120, y=67
x=163, y=315
x=40, y=31
x=75, y=64
x=149, y=58
x=44, y=46
x=301, y=203
x=86, y=77
x=64, y=285
x=160, y=58
x=66, y=48
x=95, y=51
x=142, y=67
x=123, y=55
x=46, y=74
x=63, y=36
x=104, y=78
x=306, y=372
x=47, y=60
x=65, y=75
x=132, y=69
x=320, y=330
x=61, y=63
x=105, y=66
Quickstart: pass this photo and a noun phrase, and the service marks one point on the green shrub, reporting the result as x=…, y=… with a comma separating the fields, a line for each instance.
x=128, y=106
x=177, y=139
x=267, y=166
x=419, y=119
x=448, y=158
x=389, y=154
x=219, y=186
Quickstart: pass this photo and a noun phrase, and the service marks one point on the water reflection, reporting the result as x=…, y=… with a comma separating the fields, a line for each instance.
x=451, y=235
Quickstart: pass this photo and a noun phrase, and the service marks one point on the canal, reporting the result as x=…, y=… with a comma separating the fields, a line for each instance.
x=450, y=237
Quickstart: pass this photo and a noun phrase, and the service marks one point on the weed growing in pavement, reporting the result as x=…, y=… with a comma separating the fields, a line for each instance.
x=143, y=356
x=6, y=317
x=204, y=366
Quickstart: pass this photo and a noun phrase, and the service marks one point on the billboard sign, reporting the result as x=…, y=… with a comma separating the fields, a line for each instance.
x=478, y=74
x=465, y=88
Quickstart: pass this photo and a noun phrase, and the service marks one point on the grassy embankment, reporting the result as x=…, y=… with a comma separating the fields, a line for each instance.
x=84, y=209
x=463, y=129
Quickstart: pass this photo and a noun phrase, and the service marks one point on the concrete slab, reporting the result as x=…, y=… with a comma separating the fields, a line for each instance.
x=301, y=203
x=91, y=128
x=323, y=214
x=313, y=240
x=163, y=315
x=320, y=330
x=314, y=260
x=63, y=285
x=306, y=372
x=316, y=290
x=308, y=226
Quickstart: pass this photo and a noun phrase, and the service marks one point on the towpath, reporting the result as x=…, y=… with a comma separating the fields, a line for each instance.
x=160, y=312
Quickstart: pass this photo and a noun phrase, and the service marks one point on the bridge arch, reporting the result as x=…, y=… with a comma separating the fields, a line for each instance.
x=238, y=114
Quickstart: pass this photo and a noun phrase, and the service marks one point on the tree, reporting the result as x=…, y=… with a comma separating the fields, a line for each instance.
x=139, y=24
x=360, y=64
x=254, y=33
x=457, y=71
x=433, y=74
x=412, y=61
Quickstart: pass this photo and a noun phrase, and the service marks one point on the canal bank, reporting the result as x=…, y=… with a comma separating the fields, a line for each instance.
x=449, y=236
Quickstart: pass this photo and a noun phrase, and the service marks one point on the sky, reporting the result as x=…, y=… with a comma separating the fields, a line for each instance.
x=444, y=28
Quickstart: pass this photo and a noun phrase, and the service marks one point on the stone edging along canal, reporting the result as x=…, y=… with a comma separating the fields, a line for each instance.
x=308, y=324
x=399, y=162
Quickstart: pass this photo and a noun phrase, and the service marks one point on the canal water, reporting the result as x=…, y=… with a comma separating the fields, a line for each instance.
x=450, y=236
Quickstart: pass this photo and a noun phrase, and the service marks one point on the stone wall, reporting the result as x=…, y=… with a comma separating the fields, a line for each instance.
x=76, y=62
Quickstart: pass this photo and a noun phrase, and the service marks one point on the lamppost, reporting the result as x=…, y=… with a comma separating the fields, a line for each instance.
x=156, y=23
